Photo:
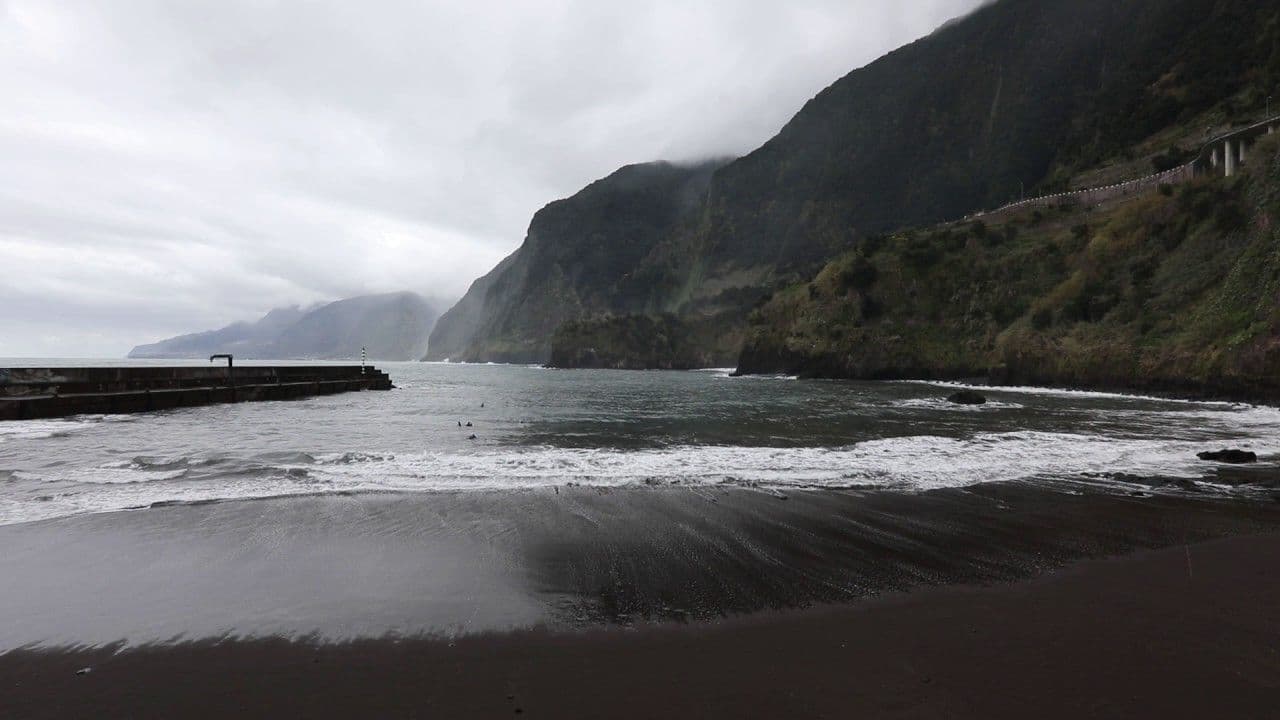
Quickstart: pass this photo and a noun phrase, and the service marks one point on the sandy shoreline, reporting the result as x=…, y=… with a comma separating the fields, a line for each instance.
x=1185, y=632
x=626, y=603
x=456, y=564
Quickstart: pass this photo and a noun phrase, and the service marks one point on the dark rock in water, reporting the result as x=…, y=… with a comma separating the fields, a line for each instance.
x=468, y=424
x=472, y=437
x=967, y=397
x=1232, y=457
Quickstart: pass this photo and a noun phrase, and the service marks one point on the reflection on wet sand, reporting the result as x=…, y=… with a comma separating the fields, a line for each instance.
x=459, y=563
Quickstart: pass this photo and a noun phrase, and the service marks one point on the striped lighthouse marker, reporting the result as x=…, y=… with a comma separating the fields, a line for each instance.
x=363, y=357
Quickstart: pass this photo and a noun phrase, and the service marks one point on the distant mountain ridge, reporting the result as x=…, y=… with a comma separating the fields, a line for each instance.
x=391, y=326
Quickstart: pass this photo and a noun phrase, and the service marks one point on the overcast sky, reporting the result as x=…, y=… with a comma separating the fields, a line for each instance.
x=169, y=166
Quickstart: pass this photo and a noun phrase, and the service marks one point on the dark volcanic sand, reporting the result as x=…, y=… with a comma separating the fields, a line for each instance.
x=1186, y=632
x=1134, y=637
x=460, y=563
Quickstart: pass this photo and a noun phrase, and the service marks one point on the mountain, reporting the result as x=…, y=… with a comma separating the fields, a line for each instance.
x=393, y=326
x=1020, y=96
x=578, y=259
x=241, y=338
x=1175, y=291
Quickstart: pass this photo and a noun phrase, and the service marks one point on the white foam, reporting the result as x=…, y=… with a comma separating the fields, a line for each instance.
x=944, y=404
x=919, y=462
x=1063, y=392
x=905, y=463
x=38, y=429
x=761, y=377
x=33, y=429
x=121, y=474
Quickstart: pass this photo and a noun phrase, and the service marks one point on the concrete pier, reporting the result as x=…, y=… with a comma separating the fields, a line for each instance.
x=31, y=393
x=1230, y=152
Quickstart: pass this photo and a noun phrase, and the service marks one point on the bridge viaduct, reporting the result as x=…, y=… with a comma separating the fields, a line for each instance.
x=1228, y=152
x=1223, y=155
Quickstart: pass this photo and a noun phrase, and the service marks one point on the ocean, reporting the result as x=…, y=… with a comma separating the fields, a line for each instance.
x=463, y=428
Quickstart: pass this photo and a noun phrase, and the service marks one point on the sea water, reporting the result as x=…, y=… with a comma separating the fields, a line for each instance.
x=537, y=428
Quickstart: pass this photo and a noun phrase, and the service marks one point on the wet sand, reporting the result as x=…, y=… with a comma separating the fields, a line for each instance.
x=653, y=602
x=453, y=564
x=1185, y=632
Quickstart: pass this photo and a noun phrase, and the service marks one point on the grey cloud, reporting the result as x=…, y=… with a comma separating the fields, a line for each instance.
x=171, y=166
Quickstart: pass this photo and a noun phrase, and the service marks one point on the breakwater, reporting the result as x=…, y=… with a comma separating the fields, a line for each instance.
x=32, y=393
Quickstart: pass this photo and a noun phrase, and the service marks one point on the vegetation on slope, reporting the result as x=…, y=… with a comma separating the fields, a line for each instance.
x=1176, y=291
x=634, y=342
x=645, y=342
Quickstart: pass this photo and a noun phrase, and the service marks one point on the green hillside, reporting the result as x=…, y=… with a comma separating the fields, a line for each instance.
x=1176, y=291
x=1022, y=96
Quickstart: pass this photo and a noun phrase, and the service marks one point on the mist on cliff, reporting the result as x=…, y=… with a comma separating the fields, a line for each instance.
x=171, y=167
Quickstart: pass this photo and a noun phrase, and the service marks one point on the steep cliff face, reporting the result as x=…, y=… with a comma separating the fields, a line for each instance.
x=1176, y=291
x=451, y=337
x=1023, y=95
x=393, y=326
x=577, y=260
x=645, y=342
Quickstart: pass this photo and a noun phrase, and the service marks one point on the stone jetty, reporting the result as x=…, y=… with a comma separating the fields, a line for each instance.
x=31, y=393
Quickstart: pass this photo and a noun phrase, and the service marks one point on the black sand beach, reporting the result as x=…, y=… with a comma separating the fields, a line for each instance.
x=663, y=602
x=1186, y=632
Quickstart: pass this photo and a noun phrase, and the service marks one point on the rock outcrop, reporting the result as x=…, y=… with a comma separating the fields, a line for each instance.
x=1230, y=457
x=967, y=397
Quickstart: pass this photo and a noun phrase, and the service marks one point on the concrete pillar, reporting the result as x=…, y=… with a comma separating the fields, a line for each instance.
x=1230, y=154
x=1243, y=146
x=1213, y=157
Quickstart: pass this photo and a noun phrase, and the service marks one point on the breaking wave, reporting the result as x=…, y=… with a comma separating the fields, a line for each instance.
x=904, y=463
